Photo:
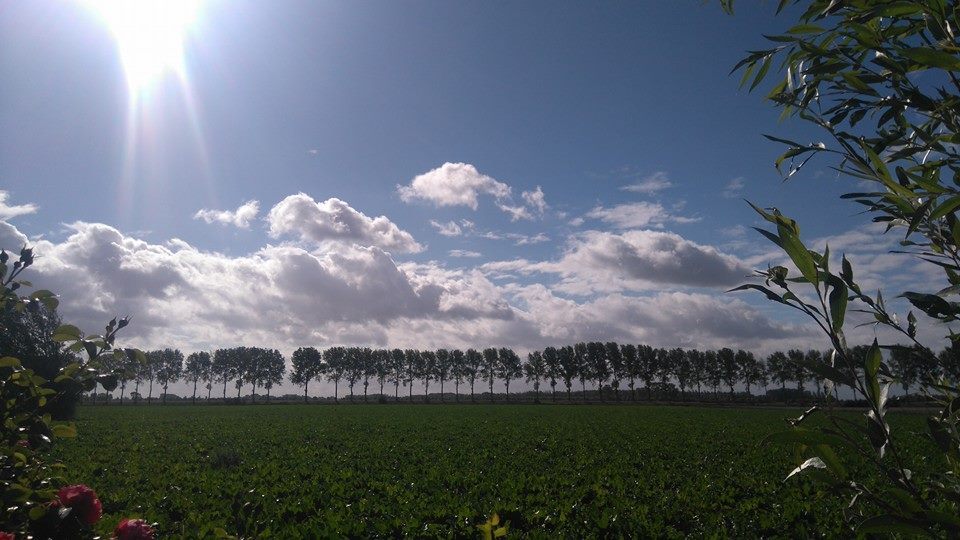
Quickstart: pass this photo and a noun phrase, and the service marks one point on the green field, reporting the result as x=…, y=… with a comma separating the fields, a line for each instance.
x=292, y=471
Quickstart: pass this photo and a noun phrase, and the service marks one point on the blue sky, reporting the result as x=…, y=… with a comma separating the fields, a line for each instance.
x=355, y=101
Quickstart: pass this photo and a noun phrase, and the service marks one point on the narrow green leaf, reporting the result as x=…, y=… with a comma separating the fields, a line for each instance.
x=947, y=207
x=932, y=58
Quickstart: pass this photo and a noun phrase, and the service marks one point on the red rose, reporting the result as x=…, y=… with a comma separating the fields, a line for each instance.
x=7, y=536
x=83, y=503
x=132, y=529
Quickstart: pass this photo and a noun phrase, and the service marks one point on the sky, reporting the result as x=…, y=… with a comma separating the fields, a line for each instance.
x=408, y=174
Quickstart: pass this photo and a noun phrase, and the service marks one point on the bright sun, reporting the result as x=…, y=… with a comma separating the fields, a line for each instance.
x=150, y=35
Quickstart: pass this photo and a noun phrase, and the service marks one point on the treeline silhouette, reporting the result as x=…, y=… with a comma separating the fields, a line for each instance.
x=614, y=371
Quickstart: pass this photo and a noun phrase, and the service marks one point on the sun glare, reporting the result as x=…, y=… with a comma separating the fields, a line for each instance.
x=150, y=35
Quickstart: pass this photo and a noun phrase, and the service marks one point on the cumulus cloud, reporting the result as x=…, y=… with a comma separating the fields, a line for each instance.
x=8, y=211
x=633, y=261
x=449, y=228
x=283, y=296
x=334, y=220
x=665, y=319
x=654, y=183
x=241, y=217
x=461, y=184
x=453, y=184
x=733, y=188
x=10, y=238
x=637, y=215
x=463, y=253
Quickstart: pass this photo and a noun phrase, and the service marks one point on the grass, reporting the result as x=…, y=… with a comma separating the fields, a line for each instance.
x=301, y=471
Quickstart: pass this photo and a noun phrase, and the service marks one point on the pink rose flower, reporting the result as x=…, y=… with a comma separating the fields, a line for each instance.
x=7, y=536
x=133, y=529
x=83, y=503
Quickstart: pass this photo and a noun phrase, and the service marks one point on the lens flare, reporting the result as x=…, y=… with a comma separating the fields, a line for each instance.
x=151, y=38
x=150, y=35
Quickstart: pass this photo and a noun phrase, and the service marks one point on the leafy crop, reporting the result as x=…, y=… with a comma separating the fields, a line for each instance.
x=290, y=471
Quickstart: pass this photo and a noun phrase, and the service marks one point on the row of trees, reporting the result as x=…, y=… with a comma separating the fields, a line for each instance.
x=608, y=368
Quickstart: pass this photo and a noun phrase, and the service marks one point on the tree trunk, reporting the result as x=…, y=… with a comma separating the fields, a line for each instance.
x=583, y=388
x=195, y=381
x=336, y=390
x=224, y=389
x=441, y=390
x=239, y=386
x=491, y=390
x=536, y=388
x=305, y=385
x=508, y=389
x=209, y=391
x=123, y=387
x=553, y=390
x=600, y=389
x=164, y=401
x=426, y=391
x=569, y=395
x=633, y=391
x=473, y=398
x=457, y=390
x=150, y=393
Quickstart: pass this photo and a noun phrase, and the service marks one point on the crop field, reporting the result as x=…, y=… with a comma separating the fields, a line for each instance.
x=303, y=471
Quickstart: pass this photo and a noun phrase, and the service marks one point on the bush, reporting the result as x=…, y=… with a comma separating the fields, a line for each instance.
x=35, y=501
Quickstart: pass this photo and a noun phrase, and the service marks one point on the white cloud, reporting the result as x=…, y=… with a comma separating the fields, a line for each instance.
x=334, y=220
x=733, y=188
x=8, y=211
x=633, y=261
x=665, y=319
x=282, y=296
x=461, y=184
x=637, y=215
x=657, y=181
x=449, y=228
x=535, y=200
x=241, y=217
x=11, y=239
x=736, y=231
x=463, y=253
x=518, y=239
x=453, y=184
x=523, y=239
x=516, y=213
